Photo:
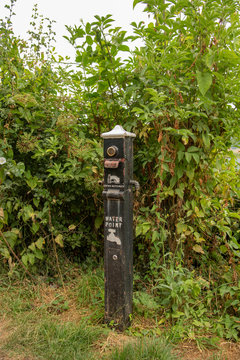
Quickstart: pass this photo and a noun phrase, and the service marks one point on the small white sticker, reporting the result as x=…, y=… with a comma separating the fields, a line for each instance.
x=112, y=237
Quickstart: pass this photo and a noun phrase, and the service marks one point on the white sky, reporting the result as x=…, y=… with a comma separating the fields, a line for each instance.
x=69, y=12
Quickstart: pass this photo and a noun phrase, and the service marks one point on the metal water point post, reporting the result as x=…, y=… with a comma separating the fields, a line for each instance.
x=118, y=225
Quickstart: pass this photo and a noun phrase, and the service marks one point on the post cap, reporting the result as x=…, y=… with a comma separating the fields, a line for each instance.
x=117, y=132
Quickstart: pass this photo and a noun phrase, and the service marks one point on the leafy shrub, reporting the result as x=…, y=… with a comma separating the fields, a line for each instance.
x=49, y=190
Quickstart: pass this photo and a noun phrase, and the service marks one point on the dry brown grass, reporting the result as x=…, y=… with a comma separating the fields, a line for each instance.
x=113, y=341
x=226, y=351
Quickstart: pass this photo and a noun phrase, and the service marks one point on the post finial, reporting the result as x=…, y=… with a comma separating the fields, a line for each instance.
x=117, y=132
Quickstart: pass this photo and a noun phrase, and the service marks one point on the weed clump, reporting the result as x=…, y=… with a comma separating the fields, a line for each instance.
x=147, y=349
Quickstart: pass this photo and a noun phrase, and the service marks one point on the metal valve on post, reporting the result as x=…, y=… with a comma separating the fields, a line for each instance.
x=118, y=225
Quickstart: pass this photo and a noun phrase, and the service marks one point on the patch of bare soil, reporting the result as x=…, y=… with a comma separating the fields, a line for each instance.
x=225, y=351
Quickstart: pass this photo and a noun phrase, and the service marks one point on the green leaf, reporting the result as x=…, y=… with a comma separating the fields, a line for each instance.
x=179, y=172
x=145, y=227
x=180, y=155
x=173, y=181
x=38, y=253
x=206, y=140
x=5, y=253
x=234, y=244
x=135, y=2
x=142, y=229
x=102, y=86
x=192, y=149
x=198, y=212
x=31, y=258
x=27, y=213
x=39, y=243
x=223, y=249
x=92, y=80
x=177, y=314
x=197, y=248
x=155, y=236
x=204, y=80
x=123, y=48
x=72, y=227
x=209, y=59
x=180, y=193
x=36, y=202
x=25, y=259
x=190, y=173
x=165, y=167
x=181, y=227
x=98, y=222
x=88, y=28
x=32, y=246
x=89, y=40
x=11, y=237
x=32, y=182
x=196, y=157
x=35, y=227
x=59, y=240
x=234, y=215
x=188, y=156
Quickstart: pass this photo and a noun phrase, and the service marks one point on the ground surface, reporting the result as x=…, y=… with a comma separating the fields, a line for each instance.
x=225, y=351
x=48, y=299
x=186, y=350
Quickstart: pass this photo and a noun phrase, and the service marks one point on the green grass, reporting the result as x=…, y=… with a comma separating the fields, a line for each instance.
x=46, y=339
x=90, y=289
x=35, y=315
x=145, y=349
x=36, y=327
x=90, y=292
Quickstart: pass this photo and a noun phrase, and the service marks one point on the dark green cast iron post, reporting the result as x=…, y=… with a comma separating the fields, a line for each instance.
x=118, y=225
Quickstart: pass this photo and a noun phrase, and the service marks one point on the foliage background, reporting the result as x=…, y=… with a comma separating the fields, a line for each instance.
x=179, y=93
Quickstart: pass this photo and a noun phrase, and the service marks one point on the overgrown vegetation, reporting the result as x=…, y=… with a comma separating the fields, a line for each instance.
x=47, y=321
x=179, y=92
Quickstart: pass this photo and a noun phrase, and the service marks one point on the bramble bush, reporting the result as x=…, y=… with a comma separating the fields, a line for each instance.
x=179, y=92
